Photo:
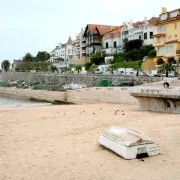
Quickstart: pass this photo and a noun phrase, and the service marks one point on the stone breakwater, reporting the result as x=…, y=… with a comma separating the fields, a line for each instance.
x=88, y=79
x=84, y=96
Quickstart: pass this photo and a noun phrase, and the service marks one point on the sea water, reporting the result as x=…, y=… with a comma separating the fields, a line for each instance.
x=15, y=102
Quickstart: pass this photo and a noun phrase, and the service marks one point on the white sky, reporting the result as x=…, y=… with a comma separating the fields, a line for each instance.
x=38, y=25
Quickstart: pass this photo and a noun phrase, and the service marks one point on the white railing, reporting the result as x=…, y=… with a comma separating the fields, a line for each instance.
x=161, y=91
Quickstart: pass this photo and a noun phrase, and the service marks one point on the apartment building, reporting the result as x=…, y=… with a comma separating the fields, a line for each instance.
x=143, y=30
x=111, y=42
x=78, y=48
x=93, y=37
x=167, y=38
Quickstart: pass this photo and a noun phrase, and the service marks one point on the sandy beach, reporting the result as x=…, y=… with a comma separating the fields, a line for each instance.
x=60, y=143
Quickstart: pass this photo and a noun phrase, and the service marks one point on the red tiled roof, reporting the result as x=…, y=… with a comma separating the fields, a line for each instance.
x=103, y=29
x=153, y=20
x=114, y=33
x=69, y=42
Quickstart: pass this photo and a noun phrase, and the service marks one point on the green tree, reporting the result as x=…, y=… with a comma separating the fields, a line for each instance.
x=133, y=45
x=88, y=66
x=5, y=65
x=97, y=58
x=78, y=69
x=112, y=68
x=145, y=49
x=152, y=53
x=28, y=58
x=42, y=56
x=166, y=67
x=93, y=68
x=54, y=69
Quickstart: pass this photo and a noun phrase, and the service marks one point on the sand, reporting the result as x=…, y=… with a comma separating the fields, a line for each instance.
x=60, y=143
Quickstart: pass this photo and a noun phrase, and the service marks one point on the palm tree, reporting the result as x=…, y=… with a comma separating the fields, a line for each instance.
x=78, y=69
x=112, y=68
x=166, y=67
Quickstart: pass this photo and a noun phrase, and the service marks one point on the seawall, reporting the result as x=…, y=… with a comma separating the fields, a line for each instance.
x=88, y=79
x=83, y=96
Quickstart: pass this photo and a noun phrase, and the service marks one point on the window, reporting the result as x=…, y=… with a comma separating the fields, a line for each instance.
x=161, y=50
x=107, y=45
x=163, y=17
x=151, y=35
x=170, y=37
x=175, y=25
x=115, y=44
x=175, y=35
x=145, y=35
x=173, y=14
x=140, y=37
x=155, y=40
x=162, y=29
x=161, y=39
x=170, y=48
x=69, y=51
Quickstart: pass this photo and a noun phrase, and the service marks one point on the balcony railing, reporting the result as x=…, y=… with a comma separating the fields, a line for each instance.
x=178, y=51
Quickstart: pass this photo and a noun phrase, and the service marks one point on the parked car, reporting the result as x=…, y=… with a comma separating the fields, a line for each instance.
x=158, y=75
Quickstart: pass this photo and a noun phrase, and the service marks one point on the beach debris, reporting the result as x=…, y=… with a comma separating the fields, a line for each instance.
x=94, y=113
x=64, y=114
x=128, y=143
x=123, y=114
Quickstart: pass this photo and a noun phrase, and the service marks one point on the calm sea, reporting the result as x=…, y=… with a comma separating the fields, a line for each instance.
x=15, y=102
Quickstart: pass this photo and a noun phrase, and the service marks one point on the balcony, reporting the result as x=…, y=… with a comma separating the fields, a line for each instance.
x=98, y=41
x=83, y=51
x=124, y=32
x=178, y=51
x=83, y=45
x=159, y=43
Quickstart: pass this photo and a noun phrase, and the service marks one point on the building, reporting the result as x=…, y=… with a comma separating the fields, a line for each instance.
x=93, y=37
x=143, y=30
x=79, y=49
x=62, y=51
x=111, y=42
x=167, y=38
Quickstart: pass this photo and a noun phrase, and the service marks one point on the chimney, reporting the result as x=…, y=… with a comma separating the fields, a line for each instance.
x=163, y=10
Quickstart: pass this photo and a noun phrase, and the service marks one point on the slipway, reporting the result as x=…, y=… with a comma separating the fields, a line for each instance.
x=127, y=143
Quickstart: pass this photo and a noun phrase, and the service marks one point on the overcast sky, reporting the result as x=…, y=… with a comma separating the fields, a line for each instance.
x=38, y=25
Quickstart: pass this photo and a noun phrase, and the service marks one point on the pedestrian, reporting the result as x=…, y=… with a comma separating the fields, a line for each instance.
x=166, y=85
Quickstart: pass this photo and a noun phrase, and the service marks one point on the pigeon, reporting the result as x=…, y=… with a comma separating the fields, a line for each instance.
x=123, y=114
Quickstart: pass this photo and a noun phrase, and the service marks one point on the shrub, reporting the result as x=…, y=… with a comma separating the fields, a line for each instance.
x=152, y=53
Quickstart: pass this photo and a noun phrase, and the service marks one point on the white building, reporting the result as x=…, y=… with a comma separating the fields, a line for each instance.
x=78, y=48
x=111, y=42
x=143, y=30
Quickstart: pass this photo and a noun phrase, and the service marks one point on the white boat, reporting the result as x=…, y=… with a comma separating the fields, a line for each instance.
x=127, y=143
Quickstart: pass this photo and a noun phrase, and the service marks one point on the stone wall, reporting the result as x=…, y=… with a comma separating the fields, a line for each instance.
x=88, y=79
x=84, y=96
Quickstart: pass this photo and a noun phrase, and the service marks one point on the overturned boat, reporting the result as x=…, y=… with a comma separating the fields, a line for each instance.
x=127, y=143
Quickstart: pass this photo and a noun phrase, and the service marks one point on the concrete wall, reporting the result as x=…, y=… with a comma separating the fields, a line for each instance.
x=167, y=101
x=88, y=95
x=89, y=80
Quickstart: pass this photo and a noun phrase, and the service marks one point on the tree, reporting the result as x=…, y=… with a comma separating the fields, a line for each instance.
x=88, y=66
x=93, y=68
x=54, y=69
x=78, y=69
x=97, y=58
x=28, y=58
x=137, y=67
x=133, y=45
x=112, y=68
x=145, y=49
x=42, y=56
x=166, y=67
x=5, y=65
x=152, y=53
